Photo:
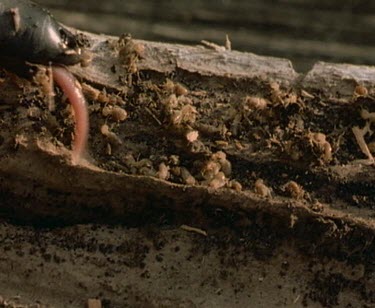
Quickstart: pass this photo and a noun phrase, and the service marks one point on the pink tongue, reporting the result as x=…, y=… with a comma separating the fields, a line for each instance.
x=66, y=81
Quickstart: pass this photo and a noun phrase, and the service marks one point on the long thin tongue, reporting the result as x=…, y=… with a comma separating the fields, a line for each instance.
x=69, y=85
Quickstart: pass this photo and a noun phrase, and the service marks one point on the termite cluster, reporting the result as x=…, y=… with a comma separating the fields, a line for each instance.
x=215, y=172
x=290, y=189
x=261, y=189
x=285, y=98
x=179, y=116
x=179, y=110
x=292, y=134
x=111, y=109
x=309, y=146
x=177, y=113
x=129, y=52
x=294, y=190
x=139, y=167
x=168, y=168
x=251, y=110
x=319, y=143
x=32, y=100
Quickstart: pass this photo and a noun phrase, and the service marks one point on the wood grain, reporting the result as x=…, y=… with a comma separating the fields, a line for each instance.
x=304, y=32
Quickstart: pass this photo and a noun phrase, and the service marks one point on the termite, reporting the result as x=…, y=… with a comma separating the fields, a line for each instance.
x=30, y=34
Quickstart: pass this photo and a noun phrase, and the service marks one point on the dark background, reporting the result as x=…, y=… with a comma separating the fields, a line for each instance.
x=304, y=31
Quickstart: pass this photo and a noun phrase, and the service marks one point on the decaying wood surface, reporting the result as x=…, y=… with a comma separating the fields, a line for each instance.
x=302, y=31
x=319, y=194
x=38, y=166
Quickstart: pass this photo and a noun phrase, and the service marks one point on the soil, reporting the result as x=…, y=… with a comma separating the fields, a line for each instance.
x=213, y=178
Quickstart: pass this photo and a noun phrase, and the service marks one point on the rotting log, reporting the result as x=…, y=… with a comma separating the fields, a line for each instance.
x=302, y=31
x=34, y=163
x=296, y=184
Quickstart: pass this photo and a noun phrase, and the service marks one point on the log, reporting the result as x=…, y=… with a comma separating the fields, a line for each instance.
x=303, y=31
x=239, y=145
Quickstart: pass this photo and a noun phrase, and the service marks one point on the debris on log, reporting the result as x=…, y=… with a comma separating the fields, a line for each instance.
x=216, y=140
